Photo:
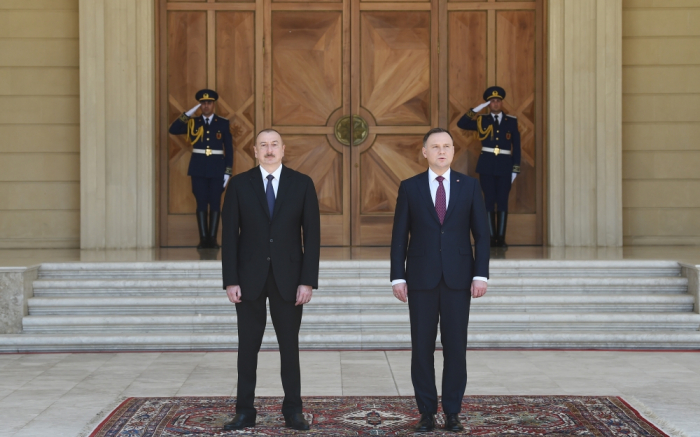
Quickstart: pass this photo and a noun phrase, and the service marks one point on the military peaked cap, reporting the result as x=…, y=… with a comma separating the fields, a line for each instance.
x=205, y=94
x=495, y=92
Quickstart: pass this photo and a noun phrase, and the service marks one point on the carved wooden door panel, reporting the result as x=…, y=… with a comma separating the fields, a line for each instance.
x=204, y=45
x=394, y=91
x=499, y=43
x=307, y=93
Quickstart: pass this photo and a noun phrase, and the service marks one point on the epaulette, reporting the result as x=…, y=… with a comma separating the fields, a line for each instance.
x=511, y=116
x=222, y=118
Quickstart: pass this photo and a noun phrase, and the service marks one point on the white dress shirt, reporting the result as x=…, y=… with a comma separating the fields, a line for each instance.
x=497, y=117
x=275, y=181
x=207, y=120
x=434, y=184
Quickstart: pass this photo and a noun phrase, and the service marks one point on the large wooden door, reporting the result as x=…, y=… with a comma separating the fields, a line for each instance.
x=352, y=85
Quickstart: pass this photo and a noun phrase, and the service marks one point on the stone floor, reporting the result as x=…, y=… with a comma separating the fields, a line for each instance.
x=60, y=394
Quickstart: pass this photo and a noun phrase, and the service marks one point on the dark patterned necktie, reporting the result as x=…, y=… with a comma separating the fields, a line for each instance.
x=440, y=200
x=270, y=194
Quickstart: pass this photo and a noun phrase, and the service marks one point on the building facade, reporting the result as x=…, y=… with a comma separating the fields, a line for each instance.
x=606, y=90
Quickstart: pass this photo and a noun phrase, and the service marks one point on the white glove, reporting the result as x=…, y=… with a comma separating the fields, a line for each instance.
x=193, y=110
x=226, y=178
x=512, y=178
x=482, y=106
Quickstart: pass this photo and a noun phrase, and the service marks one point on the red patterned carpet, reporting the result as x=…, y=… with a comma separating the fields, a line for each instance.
x=380, y=416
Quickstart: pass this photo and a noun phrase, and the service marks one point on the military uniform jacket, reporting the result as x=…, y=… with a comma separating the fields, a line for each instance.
x=216, y=136
x=504, y=137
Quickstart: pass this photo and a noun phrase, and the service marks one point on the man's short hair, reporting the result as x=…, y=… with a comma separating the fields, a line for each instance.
x=436, y=130
x=267, y=131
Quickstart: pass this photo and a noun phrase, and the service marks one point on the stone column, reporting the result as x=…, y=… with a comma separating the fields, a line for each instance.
x=16, y=287
x=692, y=272
x=585, y=122
x=117, y=124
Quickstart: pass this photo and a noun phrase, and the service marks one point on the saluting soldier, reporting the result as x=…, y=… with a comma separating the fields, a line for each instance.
x=499, y=162
x=211, y=163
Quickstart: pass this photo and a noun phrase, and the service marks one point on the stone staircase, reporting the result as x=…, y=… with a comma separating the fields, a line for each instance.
x=530, y=304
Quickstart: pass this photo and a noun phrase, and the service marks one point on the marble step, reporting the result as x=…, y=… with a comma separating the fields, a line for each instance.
x=400, y=339
x=531, y=304
x=386, y=302
x=362, y=269
x=344, y=286
x=366, y=322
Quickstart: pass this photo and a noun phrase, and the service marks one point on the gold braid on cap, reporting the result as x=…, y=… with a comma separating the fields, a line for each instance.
x=191, y=132
x=482, y=133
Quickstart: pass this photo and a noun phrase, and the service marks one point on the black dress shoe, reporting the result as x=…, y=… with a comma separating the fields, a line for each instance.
x=426, y=423
x=452, y=423
x=296, y=421
x=240, y=421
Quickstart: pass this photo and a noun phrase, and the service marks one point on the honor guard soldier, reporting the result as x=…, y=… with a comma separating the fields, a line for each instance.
x=499, y=162
x=211, y=163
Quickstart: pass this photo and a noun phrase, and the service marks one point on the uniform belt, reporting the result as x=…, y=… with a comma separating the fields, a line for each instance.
x=208, y=151
x=495, y=151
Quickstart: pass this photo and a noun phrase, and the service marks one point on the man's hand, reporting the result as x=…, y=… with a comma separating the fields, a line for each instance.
x=478, y=289
x=512, y=178
x=401, y=292
x=303, y=294
x=227, y=177
x=482, y=106
x=234, y=293
x=191, y=112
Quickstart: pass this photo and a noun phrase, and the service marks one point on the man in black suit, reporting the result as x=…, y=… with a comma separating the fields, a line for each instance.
x=436, y=271
x=266, y=210
x=211, y=162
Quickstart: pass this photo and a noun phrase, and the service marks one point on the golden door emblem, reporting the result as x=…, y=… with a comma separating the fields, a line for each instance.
x=360, y=130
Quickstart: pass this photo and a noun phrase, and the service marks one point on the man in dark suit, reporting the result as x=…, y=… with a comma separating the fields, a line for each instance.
x=499, y=162
x=436, y=271
x=211, y=162
x=266, y=211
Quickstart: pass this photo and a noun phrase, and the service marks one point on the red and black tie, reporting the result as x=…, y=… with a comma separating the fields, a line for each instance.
x=440, y=200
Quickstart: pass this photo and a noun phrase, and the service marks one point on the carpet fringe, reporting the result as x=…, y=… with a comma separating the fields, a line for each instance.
x=90, y=427
x=654, y=418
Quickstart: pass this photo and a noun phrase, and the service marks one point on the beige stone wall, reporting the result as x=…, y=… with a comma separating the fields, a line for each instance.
x=40, y=150
x=661, y=121
x=39, y=124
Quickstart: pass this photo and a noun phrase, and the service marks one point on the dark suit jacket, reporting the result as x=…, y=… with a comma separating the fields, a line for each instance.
x=217, y=136
x=251, y=241
x=506, y=137
x=436, y=250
